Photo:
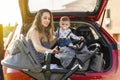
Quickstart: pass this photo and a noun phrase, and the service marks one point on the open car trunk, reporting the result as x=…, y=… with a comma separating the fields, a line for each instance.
x=91, y=34
x=80, y=15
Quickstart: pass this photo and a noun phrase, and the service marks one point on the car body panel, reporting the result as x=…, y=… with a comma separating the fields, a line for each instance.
x=1, y=50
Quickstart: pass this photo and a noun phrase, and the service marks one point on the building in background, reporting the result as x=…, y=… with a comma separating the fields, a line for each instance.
x=112, y=18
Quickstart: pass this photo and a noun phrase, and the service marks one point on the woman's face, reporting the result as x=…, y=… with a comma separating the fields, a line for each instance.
x=45, y=19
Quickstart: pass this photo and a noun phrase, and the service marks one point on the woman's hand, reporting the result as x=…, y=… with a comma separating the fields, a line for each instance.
x=55, y=50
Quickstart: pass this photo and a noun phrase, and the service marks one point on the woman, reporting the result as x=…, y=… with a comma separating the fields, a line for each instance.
x=41, y=37
x=41, y=34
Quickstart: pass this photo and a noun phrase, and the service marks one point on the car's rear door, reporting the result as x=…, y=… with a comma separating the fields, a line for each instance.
x=1, y=50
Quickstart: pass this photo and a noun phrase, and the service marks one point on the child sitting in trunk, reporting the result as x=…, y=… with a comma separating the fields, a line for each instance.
x=66, y=47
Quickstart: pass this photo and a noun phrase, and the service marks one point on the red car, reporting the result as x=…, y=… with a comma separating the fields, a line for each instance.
x=84, y=15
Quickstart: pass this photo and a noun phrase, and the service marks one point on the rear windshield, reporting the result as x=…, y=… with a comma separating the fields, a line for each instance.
x=63, y=5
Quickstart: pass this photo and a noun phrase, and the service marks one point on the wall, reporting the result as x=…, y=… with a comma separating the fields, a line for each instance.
x=114, y=18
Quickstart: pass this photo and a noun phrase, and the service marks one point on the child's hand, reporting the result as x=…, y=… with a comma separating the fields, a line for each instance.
x=82, y=38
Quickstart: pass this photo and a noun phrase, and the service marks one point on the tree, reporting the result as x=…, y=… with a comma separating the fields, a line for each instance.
x=7, y=30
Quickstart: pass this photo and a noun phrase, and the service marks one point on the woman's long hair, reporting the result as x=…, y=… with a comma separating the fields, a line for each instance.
x=37, y=25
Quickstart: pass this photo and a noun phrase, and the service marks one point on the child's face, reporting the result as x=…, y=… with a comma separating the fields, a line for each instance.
x=65, y=25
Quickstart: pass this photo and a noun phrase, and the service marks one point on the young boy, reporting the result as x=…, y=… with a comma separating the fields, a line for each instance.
x=64, y=33
x=64, y=42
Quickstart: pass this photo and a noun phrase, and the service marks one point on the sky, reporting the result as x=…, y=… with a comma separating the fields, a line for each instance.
x=9, y=12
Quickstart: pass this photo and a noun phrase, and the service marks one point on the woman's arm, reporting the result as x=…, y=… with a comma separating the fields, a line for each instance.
x=35, y=38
